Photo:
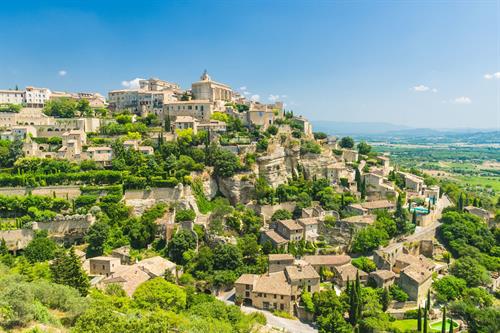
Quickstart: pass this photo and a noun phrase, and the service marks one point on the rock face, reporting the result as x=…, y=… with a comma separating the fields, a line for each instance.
x=339, y=234
x=210, y=188
x=272, y=167
x=237, y=190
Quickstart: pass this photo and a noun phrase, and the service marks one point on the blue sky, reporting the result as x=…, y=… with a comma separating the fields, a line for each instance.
x=417, y=63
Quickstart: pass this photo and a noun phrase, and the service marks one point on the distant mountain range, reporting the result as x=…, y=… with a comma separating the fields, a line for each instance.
x=381, y=128
x=372, y=131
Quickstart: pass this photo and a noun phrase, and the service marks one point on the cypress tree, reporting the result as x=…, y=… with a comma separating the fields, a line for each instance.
x=363, y=189
x=409, y=206
x=3, y=247
x=460, y=202
x=419, y=319
x=451, y=325
x=428, y=303
x=426, y=324
x=429, y=207
x=385, y=299
x=443, y=324
x=414, y=217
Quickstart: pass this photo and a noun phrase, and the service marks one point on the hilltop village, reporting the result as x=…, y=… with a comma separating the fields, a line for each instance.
x=211, y=193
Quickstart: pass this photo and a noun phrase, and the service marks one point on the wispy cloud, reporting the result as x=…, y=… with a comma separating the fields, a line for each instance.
x=132, y=84
x=462, y=100
x=273, y=98
x=423, y=88
x=243, y=88
x=492, y=76
x=255, y=98
x=62, y=72
x=246, y=93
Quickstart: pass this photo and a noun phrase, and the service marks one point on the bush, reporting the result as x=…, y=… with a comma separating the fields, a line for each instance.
x=158, y=293
x=185, y=215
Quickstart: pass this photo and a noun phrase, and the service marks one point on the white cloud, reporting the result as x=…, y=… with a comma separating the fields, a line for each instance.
x=423, y=88
x=255, y=98
x=284, y=96
x=491, y=76
x=246, y=93
x=132, y=84
x=273, y=98
x=62, y=72
x=243, y=88
x=462, y=100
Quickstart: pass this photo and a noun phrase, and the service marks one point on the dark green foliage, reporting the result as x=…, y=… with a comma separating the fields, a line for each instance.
x=180, y=243
x=364, y=148
x=67, y=269
x=385, y=299
x=281, y=214
x=471, y=271
x=185, y=215
x=419, y=319
x=466, y=235
x=96, y=237
x=41, y=248
x=347, y=142
x=365, y=264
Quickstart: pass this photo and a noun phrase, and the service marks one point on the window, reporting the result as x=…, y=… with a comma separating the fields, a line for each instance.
x=282, y=297
x=259, y=295
x=274, y=296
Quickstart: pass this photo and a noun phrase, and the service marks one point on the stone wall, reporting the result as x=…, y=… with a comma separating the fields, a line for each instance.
x=65, y=192
x=62, y=228
x=267, y=211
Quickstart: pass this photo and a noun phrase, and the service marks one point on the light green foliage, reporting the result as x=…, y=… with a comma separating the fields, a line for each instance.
x=158, y=293
x=41, y=248
x=449, y=288
x=365, y=264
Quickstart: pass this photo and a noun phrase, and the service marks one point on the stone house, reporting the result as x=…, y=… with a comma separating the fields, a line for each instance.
x=416, y=280
x=290, y=230
x=350, y=156
x=310, y=228
x=104, y=265
x=484, y=214
x=129, y=277
x=276, y=240
x=278, y=262
x=382, y=278
x=371, y=206
x=348, y=272
x=278, y=290
x=329, y=262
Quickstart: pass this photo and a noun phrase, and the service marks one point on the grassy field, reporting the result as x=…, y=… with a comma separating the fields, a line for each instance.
x=486, y=182
x=405, y=324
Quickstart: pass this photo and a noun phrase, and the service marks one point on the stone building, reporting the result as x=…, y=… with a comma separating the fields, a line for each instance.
x=326, y=261
x=371, y=206
x=278, y=290
x=416, y=281
x=206, y=89
x=289, y=229
x=382, y=278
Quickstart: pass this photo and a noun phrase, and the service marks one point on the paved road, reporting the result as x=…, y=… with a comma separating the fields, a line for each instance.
x=287, y=325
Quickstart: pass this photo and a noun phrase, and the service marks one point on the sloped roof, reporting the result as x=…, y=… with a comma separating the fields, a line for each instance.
x=330, y=260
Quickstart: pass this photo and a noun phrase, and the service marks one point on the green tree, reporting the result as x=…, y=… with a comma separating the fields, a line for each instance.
x=60, y=108
x=67, y=269
x=449, y=288
x=41, y=248
x=347, y=142
x=443, y=322
x=471, y=271
x=281, y=214
x=426, y=318
x=385, y=299
x=365, y=264
x=227, y=257
x=97, y=236
x=3, y=247
x=158, y=293
x=419, y=319
x=180, y=243
x=364, y=148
